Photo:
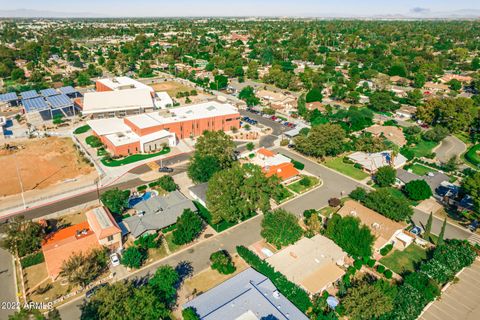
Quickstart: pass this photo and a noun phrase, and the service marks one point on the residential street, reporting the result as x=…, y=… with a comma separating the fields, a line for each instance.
x=450, y=146
x=7, y=279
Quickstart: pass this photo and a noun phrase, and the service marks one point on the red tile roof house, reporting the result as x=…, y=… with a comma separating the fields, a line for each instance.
x=99, y=230
x=275, y=164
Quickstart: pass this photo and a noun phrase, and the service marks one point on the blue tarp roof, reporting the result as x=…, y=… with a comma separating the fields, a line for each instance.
x=35, y=104
x=48, y=92
x=10, y=96
x=29, y=94
x=59, y=101
x=67, y=90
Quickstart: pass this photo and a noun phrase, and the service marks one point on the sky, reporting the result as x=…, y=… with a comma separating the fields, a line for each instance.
x=163, y=8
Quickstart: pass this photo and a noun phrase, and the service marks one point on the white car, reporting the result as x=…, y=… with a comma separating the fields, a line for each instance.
x=114, y=259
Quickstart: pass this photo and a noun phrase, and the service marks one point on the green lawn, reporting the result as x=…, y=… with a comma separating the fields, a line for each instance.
x=171, y=246
x=423, y=148
x=397, y=193
x=345, y=168
x=404, y=261
x=298, y=187
x=473, y=155
x=82, y=129
x=420, y=169
x=133, y=158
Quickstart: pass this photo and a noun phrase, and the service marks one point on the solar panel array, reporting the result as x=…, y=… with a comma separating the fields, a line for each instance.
x=59, y=101
x=67, y=90
x=48, y=92
x=29, y=94
x=10, y=96
x=35, y=104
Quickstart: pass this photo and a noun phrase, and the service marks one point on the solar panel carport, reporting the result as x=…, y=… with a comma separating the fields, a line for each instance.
x=29, y=94
x=48, y=92
x=35, y=104
x=10, y=98
x=59, y=101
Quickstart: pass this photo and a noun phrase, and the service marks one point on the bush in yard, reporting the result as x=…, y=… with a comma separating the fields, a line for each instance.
x=390, y=206
x=167, y=183
x=388, y=274
x=358, y=194
x=281, y=228
x=134, y=257
x=371, y=263
x=298, y=165
x=353, y=237
x=385, y=176
x=306, y=182
x=94, y=141
x=149, y=241
x=386, y=249
x=32, y=259
x=142, y=188
x=418, y=190
x=189, y=226
x=358, y=264
x=380, y=268
x=222, y=262
x=291, y=291
x=190, y=314
x=308, y=213
x=334, y=202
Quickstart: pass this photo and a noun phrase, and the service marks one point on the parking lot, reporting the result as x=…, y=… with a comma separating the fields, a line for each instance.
x=278, y=129
x=461, y=301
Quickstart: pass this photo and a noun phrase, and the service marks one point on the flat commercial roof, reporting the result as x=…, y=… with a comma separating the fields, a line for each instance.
x=110, y=101
x=124, y=83
x=108, y=126
x=192, y=112
x=122, y=138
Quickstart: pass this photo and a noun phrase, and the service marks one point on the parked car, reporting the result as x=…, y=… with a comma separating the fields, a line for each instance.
x=165, y=169
x=473, y=226
x=114, y=259
x=92, y=291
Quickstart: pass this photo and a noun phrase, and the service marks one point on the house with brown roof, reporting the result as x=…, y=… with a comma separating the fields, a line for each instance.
x=316, y=105
x=391, y=133
x=385, y=230
x=99, y=230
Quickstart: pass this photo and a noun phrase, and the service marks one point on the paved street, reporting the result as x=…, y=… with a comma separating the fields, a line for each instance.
x=7, y=280
x=333, y=186
x=461, y=301
x=450, y=147
x=199, y=255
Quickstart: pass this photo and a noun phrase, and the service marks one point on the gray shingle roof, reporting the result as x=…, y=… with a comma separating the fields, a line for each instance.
x=158, y=213
x=200, y=190
x=249, y=294
x=434, y=181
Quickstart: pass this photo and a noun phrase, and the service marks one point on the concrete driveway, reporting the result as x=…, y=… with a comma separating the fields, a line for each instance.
x=450, y=147
x=461, y=300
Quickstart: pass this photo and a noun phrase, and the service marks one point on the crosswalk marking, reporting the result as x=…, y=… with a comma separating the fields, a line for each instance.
x=153, y=165
x=474, y=239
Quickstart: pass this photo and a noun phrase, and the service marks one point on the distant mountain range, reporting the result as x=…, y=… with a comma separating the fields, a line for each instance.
x=415, y=13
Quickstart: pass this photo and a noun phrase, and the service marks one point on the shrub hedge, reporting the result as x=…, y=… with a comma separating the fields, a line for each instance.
x=32, y=259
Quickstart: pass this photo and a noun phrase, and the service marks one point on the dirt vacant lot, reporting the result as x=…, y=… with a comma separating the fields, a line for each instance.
x=172, y=87
x=41, y=163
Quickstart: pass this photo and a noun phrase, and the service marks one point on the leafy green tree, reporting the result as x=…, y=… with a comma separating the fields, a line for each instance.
x=418, y=190
x=455, y=114
x=216, y=144
x=165, y=282
x=115, y=200
x=133, y=257
x=348, y=233
x=220, y=82
x=280, y=228
x=389, y=205
x=471, y=185
x=81, y=269
x=382, y=101
x=437, y=134
x=359, y=194
x=426, y=286
x=314, y=95
x=324, y=140
x=123, y=300
x=83, y=79
x=428, y=226
x=370, y=143
x=302, y=106
x=17, y=74
x=385, y=176
x=222, y=262
x=250, y=146
x=23, y=236
x=419, y=80
x=455, y=84
x=367, y=301
x=189, y=226
x=190, y=314
x=239, y=192
x=167, y=183
x=441, y=236
x=247, y=94
x=202, y=168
